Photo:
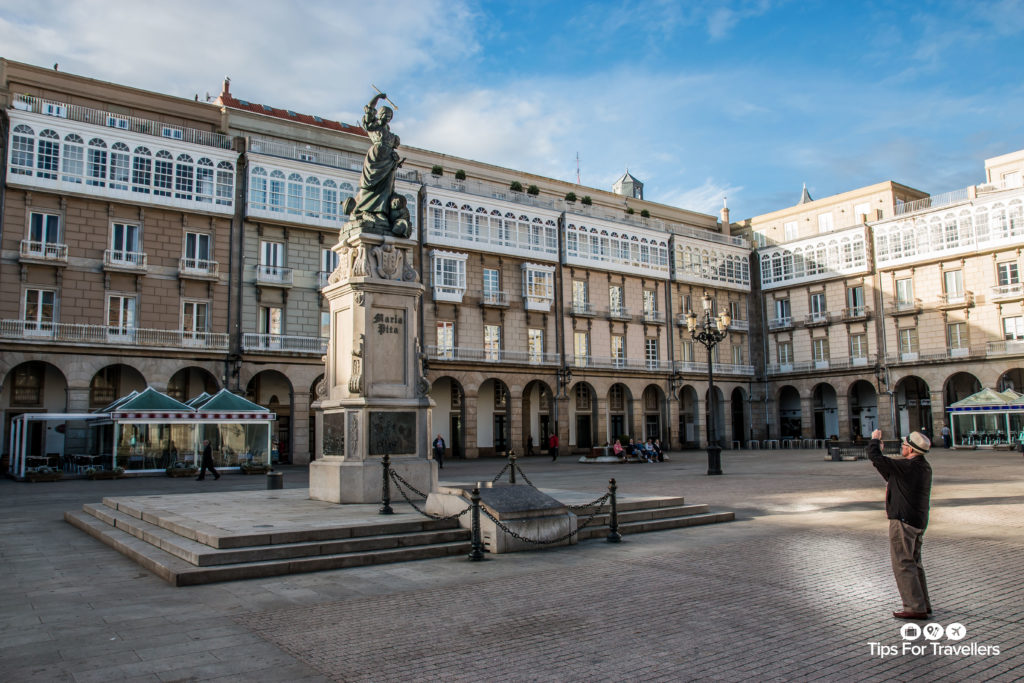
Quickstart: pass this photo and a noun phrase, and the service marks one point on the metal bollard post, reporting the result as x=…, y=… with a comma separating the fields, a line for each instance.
x=477, y=553
x=613, y=522
x=511, y=467
x=385, y=495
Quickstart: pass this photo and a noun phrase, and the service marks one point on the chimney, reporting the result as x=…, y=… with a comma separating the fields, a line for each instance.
x=725, y=216
x=225, y=88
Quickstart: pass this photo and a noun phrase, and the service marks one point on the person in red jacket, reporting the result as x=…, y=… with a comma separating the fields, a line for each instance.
x=907, y=499
x=553, y=446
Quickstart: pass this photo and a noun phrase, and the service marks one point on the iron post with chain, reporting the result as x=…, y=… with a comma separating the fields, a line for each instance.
x=385, y=495
x=613, y=520
x=477, y=553
x=512, y=466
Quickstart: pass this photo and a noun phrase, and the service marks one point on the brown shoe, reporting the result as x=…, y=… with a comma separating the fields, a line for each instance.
x=910, y=615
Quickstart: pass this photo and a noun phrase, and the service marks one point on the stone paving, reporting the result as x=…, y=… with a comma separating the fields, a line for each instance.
x=797, y=588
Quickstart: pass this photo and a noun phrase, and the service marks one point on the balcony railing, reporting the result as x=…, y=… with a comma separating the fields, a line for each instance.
x=918, y=357
x=584, y=308
x=99, y=117
x=465, y=354
x=655, y=317
x=812, y=365
x=701, y=367
x=1005, y=347
x=537, y=303
x=273, y=275
x=43, y=251
x=737, y=325
x=1007, y=292
x=604, y=363
x=201, y=268
x=619, y=313
x=814, y=319
x=280, y=343
x=103, y=335
x=489, y=190
x=780, y=323
x=124, y=260
x=856, y=313
x=496, y=299
x=905, y=307
x=956, y=300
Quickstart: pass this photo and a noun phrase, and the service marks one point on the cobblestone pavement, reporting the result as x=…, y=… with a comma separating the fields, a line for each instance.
x=797, y=588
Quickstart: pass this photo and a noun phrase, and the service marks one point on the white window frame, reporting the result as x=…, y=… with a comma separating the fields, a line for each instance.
x=651, y=357
x=1007, y=273
x=449, y=275
x=492, y=342
x=129, y=235
x=39, y=324
x=826, y=222
x=790, y=230
x=538, y=286
x=581, y=349
x=535, y=344
x=122, y=329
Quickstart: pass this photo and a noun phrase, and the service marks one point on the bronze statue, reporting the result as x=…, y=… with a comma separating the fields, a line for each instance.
x=376, y=208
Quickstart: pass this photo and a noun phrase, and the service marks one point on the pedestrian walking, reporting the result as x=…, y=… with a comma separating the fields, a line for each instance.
x=439, y=447
x=907, y=500
x=947, y=436
x=529, y=445
x=553, y=446
x=207, y=462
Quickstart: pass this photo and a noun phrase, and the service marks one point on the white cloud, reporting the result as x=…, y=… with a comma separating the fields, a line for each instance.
x=706, y=198
x=305, y=56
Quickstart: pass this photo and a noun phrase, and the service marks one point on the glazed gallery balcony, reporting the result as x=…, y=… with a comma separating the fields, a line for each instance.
x=102, y=335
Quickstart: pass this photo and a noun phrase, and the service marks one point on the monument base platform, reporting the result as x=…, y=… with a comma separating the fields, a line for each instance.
x=337, y=480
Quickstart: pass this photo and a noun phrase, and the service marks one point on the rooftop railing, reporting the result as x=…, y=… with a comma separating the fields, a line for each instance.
x=933, y=202
x=99, y=117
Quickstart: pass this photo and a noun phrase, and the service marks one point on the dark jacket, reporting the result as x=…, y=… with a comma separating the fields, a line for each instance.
x=909, y=485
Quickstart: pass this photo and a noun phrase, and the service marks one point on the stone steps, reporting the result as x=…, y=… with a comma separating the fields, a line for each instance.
x=185, y=546
x=180, y=572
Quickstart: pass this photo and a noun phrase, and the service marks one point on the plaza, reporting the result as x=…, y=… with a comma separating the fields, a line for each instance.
x=799, y=586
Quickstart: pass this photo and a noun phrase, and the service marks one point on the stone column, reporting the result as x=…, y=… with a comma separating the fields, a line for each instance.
x=300, y=437
x=636, y=419
x=469, y=429
x=700, y=422
x=516, y=433
x=602, y=422
x=843, y=416
x=938, y=414
x=885, y=422
x=806, y=418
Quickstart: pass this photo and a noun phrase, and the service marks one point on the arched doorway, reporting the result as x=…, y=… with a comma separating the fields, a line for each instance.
x=739, y=404
x=582, y=415
x=1011, y=379
x=493, y=427
x=273, y=390
x=826, y=415
x=652, y=400
x=36, y=387
x=958, y=386
x=620, y=413
x=113, y=382
x=537, y=419
x=689, y=418
x=790, y=417
x=863, y=401
x=189, y=382
x=449, y=415
x=913, y=405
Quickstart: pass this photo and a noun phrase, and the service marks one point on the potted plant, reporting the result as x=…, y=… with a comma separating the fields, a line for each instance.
x=459, y=175
x=43, y=473
x=533, y=190
x=516, y=186
x=644, y=213
x=586, y=201
x=630, y=211
x=437, y=169
x=249, y=467
x=570, y=197
x=182, y=469
x=100, y=473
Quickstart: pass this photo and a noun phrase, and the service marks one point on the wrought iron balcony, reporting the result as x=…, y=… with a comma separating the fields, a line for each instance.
x=43, y=252
x=582, y=308
x=856, y=313
x=701, y=367
x=130, y=261
x=494, y=299
x=198, y=269
x=274, y=276
x=816, y=319
x=956, y=300
x=780, y=323
x=654, y=317
x=619, y=313
x=906, y=307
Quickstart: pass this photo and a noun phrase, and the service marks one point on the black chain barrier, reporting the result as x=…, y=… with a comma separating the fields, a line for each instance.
x=523, y=474
x=400, y=483
x=498, y=475
x=596, y=504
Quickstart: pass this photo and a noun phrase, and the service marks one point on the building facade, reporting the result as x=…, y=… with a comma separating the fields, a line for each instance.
x=153, y=241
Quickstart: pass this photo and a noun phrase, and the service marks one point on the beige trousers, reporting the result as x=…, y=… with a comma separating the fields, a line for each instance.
x=905, y=552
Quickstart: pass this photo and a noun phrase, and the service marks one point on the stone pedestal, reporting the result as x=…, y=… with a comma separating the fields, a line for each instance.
x=375, y=399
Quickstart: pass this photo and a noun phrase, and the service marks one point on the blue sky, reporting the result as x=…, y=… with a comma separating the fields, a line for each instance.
x=700, y=100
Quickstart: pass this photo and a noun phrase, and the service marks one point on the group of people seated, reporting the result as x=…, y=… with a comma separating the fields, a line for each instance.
x=649, y=451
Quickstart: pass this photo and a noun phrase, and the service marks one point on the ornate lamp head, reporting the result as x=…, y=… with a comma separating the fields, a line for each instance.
x=691, y=321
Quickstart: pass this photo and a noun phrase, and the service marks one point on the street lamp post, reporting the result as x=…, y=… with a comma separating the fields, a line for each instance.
x=709, y=332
